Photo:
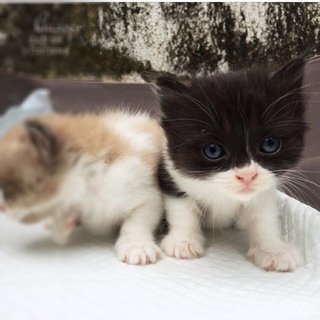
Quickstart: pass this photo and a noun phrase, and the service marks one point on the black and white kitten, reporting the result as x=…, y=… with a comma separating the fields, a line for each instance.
x=229, y=139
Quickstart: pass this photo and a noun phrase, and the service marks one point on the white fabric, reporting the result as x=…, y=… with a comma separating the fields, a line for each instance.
x=40, y=280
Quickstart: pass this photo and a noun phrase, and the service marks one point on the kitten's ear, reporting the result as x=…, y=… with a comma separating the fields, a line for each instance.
x=43, y=139
x=291, y=74
x=171, y=96
x=166, y=85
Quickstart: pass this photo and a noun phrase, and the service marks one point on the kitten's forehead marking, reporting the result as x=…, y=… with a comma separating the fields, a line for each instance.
x=243, y=122
x=250, y=165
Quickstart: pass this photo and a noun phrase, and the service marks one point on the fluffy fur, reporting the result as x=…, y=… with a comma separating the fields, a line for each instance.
x=97, y=171
x=235, y=110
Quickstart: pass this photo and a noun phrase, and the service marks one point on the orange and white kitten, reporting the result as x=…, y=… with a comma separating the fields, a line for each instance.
x=97, y=171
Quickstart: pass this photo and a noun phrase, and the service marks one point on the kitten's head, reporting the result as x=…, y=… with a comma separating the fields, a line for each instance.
x=237, y=131
x=31, y=165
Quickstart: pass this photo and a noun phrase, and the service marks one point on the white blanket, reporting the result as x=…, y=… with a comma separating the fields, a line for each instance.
x=84, y=280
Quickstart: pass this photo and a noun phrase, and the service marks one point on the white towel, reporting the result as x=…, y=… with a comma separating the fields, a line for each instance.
x=40, y=280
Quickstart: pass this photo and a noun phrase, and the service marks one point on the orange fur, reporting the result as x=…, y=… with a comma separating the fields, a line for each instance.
x=76, y=135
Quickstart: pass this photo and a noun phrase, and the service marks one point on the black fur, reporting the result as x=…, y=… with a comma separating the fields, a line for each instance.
x=236, y=110
x=166, y=182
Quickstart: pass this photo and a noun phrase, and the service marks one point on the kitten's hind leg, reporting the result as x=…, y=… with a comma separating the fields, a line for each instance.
x=185, y=239
x=136, y=244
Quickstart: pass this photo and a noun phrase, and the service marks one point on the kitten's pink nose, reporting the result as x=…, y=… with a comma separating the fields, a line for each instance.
x=247, y=177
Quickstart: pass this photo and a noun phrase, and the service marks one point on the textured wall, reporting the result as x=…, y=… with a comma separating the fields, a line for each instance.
x=116, y=39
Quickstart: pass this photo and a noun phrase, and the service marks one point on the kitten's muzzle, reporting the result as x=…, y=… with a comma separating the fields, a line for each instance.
x=246, y=178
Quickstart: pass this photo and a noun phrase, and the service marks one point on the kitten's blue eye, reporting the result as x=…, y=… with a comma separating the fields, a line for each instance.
x=270, y=145
x=213, y=151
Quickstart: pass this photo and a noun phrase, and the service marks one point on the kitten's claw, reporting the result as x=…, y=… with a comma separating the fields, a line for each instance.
x=182, y=249
x=285, y=258
x=139, y=252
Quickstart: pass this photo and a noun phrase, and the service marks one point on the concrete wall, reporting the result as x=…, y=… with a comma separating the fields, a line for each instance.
x=117, y=39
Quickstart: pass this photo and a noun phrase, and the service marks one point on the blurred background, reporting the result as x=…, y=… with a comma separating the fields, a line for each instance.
x=127, y=41
x=96, y=55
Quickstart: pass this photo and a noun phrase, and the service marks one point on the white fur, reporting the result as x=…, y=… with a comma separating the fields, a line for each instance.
x=223, y=205
x=127, y=128
x=123, y=193
x=103, y=196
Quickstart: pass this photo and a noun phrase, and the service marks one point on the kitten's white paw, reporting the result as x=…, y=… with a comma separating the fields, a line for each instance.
x=284, y=258
x=182, y=249
x=138, y=252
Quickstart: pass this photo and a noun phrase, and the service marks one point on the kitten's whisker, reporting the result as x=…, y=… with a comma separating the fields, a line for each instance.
x=298, y=170
x=187, y=141
x=310, y=190
x=304, y=180
x=199, y=104
x=210, y=101
x=289, y=122
x=308, y=85
x=207, y=125
x=298, y=193
x=290, y=192
x=312, y=92
x=295, y=181
x=280, y=110
x=269, y=108
x=211, y=104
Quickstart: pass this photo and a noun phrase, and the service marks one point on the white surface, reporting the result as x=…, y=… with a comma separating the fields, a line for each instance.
x=40, y=280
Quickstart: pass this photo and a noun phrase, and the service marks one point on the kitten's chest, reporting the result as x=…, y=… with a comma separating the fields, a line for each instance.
x=222, y=214
x=218, y=209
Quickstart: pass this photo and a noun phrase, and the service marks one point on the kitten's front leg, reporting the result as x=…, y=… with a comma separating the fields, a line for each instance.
x=185, y=239
x=266, y=248
x=61, y=226
x=135, y=244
